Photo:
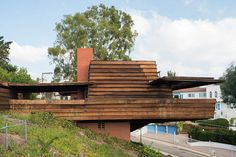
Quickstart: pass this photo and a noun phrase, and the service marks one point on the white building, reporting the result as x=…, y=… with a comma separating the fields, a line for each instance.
x=222, y=110
x=190, y=93
x=213, y=92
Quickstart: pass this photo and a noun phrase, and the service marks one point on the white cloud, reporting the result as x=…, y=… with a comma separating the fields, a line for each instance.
x=189, y=47
x=35, y=59
x=141, y=24
x=27, y=53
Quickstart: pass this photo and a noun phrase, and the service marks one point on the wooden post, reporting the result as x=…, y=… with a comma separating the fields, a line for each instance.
x=140, y=135
x=156, y=129
x=6, y=137
x=26, y=135
x=174, y=137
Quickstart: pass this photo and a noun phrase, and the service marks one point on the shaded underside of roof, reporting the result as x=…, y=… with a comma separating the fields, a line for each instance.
x=47, y=87
x=184, y=82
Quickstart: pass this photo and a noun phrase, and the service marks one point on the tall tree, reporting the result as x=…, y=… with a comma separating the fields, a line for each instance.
x=9, y=72
x=4, y=50
x=21, y=76
x=229, y=86
x=4, y=55
x=105, y=29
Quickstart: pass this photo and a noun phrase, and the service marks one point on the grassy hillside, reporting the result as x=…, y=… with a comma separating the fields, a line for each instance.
x=48, y=137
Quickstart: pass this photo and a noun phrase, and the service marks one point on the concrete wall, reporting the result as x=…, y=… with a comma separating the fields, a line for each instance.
x=224, y=111
x=120, y=130
x=137, y=132
x=214, y=89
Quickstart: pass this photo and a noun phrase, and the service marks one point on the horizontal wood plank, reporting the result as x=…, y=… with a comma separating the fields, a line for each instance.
x=96, y=109
x=133, y=62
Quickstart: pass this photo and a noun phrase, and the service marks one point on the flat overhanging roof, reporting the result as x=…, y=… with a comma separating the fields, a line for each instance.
x=184, y=82
x=46, y=87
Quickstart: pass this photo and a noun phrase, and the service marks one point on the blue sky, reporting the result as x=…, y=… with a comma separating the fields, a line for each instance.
x=198, y=23
x=32, y=22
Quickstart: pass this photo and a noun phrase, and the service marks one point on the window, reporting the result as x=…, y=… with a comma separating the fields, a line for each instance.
x=218, y=106
x=101, y=125
x=210, y=94
x=202, y=95
x=191, y=95
x=216, y=94
x=176, y=96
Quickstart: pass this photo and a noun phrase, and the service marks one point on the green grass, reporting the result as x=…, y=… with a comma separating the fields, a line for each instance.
x=49, y=136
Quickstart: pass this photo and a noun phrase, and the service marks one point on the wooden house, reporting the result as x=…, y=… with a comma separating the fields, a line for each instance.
x=113, y=97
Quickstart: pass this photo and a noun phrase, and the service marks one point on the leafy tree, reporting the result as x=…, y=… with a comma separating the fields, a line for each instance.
x=9, y=72
x=105, y=29
x=4, y=50
x=8, y=67
x=229, y=86
x=4, y=75
x=21, y=76
x=4, y=55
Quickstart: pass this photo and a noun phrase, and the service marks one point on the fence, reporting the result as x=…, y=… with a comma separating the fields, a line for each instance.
x=7, y=129
x=184, y=142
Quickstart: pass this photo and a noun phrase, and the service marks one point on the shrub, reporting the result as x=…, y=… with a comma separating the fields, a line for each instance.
x=220, y=135
x=42, y=118
x=47, y=119
x=232, y=120
x=220, y=122
x=180, y=126
x=66, y=124
x=144, y=151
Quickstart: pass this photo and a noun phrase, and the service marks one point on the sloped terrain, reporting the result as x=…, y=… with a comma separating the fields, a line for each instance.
x=49, y=136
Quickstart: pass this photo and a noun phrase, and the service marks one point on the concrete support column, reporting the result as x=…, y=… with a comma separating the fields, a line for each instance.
x=116, y=129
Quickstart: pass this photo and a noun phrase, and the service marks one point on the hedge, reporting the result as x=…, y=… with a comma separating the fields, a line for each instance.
x=220, y=122
x=220, y=135
x=232, y=120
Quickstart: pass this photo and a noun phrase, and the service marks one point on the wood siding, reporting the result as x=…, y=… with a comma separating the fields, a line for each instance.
x=121, y=91
x=120, y=109
x=124, y=79
x=5, y=95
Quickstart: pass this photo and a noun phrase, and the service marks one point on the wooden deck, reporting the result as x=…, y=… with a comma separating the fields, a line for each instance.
x=118, y=109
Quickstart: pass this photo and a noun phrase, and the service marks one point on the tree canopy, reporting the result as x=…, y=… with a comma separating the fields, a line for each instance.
x=4, y=50
x=9, y=72
x=105, y=29
x=4, y=55
x=229, y=86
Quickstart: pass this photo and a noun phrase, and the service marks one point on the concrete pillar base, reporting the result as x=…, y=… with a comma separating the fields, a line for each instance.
x=119, y=130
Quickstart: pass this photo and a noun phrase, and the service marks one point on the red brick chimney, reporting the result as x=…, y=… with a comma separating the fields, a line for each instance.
x=84, y=57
